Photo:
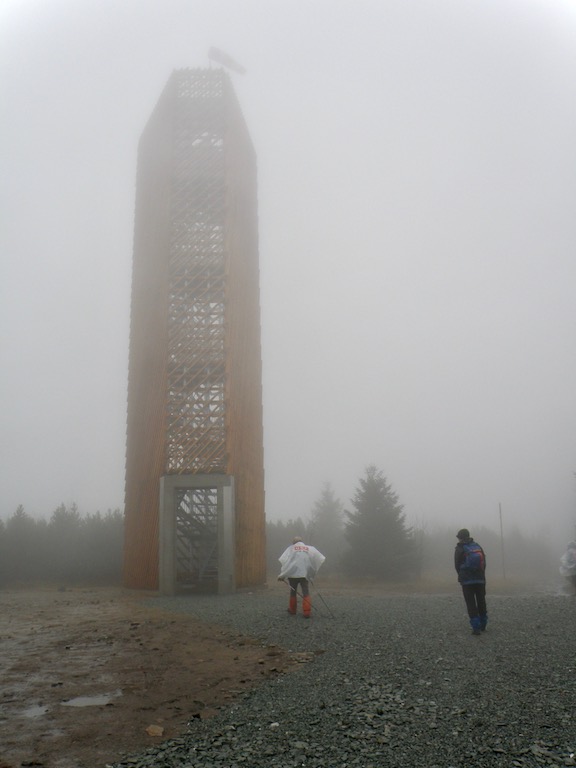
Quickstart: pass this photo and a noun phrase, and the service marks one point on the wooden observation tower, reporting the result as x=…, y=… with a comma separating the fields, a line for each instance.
x=194, y=514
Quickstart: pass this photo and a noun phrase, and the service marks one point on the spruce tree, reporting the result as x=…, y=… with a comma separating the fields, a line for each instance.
x=381, y=546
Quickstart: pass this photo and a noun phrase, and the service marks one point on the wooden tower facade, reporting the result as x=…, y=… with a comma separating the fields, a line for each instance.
x=194, y=385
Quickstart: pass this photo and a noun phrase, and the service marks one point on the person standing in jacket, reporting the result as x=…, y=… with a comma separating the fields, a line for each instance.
x=470, y=564
x=299, y=564
x=568, y=564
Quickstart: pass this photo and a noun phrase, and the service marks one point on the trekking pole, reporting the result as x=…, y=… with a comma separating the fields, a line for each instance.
x=324, y=601
x=314, y=607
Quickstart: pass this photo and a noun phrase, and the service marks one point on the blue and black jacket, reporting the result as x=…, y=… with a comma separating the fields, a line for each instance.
x=470, y=562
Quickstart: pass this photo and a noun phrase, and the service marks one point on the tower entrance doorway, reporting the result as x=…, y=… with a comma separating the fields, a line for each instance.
x=197, y=538
x=196, y=534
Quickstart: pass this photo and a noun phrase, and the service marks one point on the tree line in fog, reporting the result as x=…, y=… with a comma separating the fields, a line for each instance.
x=369, y=541
x=66, y=549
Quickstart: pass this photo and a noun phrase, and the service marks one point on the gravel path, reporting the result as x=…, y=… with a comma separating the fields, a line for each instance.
x=393, y=681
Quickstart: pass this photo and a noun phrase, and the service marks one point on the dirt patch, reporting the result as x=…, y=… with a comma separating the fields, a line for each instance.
x=89, y=675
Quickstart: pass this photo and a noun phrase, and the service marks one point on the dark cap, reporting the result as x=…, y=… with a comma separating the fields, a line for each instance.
x=463, y=533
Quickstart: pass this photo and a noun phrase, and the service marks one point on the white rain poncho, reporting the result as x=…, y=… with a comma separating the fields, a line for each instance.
x=300, y=561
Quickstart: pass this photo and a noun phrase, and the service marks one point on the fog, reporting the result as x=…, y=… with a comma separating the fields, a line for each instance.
x=417, y=200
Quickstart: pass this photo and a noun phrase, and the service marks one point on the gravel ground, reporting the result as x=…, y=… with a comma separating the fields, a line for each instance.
x=392, y=681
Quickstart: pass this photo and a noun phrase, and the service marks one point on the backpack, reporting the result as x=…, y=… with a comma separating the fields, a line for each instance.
x=474, y=557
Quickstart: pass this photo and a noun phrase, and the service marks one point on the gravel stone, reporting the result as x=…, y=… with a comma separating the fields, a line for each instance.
x=391, y=681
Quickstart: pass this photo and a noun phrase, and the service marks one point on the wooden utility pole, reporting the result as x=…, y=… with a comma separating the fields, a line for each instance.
x=502, y=542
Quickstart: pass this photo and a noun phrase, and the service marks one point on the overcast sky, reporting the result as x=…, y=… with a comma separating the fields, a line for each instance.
x=417, y=205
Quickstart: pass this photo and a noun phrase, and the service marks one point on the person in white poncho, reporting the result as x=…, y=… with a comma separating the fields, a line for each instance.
x=299, y=565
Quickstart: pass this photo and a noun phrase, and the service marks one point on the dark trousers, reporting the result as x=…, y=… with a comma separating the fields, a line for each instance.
x=294, y=587
x=475, y=597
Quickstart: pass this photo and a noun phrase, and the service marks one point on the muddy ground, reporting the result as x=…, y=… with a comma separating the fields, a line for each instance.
x=89, y=675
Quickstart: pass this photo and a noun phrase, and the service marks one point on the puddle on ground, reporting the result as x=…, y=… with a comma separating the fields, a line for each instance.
x=92, y=701
x=36, y=710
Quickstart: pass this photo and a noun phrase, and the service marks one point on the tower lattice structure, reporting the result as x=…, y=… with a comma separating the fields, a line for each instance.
x=194, y=385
